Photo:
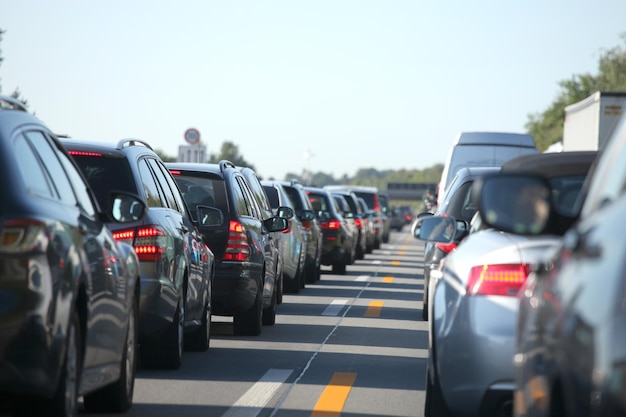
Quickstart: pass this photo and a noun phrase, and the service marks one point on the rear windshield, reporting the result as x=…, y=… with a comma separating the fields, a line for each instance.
x=202, y=191
x=370, y=198
x=105, y=174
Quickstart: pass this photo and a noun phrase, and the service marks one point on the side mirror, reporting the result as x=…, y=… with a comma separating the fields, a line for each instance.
x=515, y=203
x=437, y=229
x=306, y=215
x=126, y=208
x=209, y=216
x=286, y=212
x=276, y=224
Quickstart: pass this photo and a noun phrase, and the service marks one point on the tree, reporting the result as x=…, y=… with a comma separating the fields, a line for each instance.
x=547, y=127
x=230, y=152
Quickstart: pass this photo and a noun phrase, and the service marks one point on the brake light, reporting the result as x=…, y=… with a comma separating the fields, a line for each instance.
x=146, y=241
x=84, y=153
x=174, y=172
x=331, y=224
x=23, y=235
x=502, y=279
x=237, y=246
x=359, y=222
x=446, y=247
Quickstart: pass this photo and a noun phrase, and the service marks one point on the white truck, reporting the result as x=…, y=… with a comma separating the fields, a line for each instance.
x=589, y=123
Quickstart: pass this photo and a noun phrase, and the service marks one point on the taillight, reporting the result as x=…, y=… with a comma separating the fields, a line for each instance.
x=237, y=246
x=359, y=222
x=24, y=235
x=331, y=224
x=145, y=240
x=446, y=247
x=500, y=279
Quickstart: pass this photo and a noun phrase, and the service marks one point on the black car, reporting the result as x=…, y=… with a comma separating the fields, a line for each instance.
x=69, y=292
x=314, y=238
x=176, y=264
x=338, y=247
x=245, y=276
x=355, y=212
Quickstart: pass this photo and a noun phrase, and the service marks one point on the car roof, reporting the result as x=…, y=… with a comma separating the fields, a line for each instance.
x=552, y=164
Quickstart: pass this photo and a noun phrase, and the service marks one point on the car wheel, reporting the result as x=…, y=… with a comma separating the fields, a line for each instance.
x=249, y=323
x=199, y=340
x=118, y=397
x=425, y=303
x=293, y=284
x=310, y=274
x=166, y=353
x=269, y=313
x=281, y=288
x=65, y=400
x=434, y=405
x=339, y=267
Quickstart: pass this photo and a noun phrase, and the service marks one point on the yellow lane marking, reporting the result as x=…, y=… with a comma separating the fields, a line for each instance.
x=395, y=262
x=332, y=400
x=388, y=279
x=374, y=309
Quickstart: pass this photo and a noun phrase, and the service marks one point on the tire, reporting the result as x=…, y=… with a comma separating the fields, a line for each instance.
x=269, y=313
x=118, y=397
x=249, y=323
x=65, y=400
x=166, y=353
x=339, y=267
x=434, y=406
x=281, y=288
x=199, y=340
x=310, y=274
x=425, y=305
x=293, y=286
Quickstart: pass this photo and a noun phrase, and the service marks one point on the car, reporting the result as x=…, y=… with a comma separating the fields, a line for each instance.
x=474, y=296
x=457, y=203
x=569, y=350
x=338, y=249
x=314, y=236
x=385, y=208
x=244, y=285
x=69, y=290
x=371, y=195
x=354, y=213
x=398, y=219
x=474, y=149
x=275, y=254
x=176, y=264
x=293, y=245
x=368, y=225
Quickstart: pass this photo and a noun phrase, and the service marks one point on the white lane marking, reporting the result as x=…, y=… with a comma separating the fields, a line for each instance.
x=252, y=402
x=376, y=262
x=334, y=308
x=362, y=278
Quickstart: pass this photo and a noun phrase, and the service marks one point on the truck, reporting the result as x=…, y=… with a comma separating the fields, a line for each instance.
x=589, y=123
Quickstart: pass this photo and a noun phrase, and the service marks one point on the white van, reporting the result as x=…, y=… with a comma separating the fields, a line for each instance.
x=480, y=149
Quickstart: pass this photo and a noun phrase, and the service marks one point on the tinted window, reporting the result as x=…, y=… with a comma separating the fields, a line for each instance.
x=202, y=191
x=163, y=184
x=151, y=189
x=31, y=170
x=53, y=166
x=272, y=195
x=294, y=196
x=80, y=188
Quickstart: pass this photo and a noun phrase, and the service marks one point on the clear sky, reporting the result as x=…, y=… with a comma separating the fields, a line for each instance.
x=384, y=84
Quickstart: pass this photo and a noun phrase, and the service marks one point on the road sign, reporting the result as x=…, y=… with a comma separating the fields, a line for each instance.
x=192, y=136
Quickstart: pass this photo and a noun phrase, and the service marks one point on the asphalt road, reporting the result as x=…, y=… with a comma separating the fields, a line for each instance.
x=349, y=345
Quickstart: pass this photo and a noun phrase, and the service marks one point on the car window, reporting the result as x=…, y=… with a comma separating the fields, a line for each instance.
x=164, y=186
x=151, y=189
x=31, y=169
x=251, y=202
x=272, y=196
x=460, y=206
x=80, y=188
x=55, y=170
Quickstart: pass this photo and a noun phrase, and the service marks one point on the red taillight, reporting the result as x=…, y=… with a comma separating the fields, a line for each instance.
x=84, y=153
x=446, y=247
x=237, y=247
x=331, y=224
x=502, y=279
x=358, y=222
x=145, y=240
x=174, y=172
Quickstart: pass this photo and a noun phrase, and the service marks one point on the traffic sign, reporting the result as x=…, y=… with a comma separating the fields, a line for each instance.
x=192, y=136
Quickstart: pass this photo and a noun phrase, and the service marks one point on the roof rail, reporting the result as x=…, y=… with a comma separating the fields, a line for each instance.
x=10, y=103
x=124, y=143
x=224, y=163
x=294, y=182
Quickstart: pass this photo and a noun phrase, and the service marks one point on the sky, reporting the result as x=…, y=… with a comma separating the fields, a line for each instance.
x=329, y=86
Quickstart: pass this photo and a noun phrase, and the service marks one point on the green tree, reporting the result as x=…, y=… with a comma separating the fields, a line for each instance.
x=230, y=152
x=547, y=126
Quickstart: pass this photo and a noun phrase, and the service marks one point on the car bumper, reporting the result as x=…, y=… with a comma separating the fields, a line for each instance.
x=475, y=352
x=158, y=303
x=235, y=287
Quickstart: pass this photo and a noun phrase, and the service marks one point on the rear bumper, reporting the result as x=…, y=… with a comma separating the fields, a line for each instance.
x=235, y=287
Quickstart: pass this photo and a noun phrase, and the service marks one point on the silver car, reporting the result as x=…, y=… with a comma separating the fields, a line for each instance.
x=474, y=296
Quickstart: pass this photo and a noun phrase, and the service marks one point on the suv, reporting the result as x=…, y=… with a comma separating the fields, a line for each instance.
x=338, y=249
x=356, y=213
x=176, y=265
x=245, y=276
x=69, y=291
x=314, y=238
